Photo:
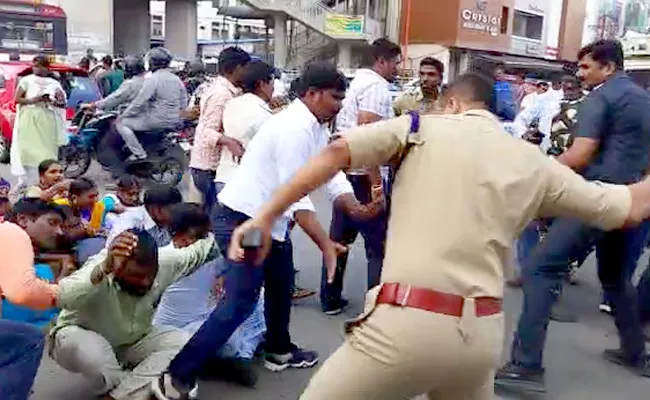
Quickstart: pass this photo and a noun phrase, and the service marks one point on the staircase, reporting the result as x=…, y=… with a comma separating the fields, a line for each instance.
x=311, y=13
x=307, y=45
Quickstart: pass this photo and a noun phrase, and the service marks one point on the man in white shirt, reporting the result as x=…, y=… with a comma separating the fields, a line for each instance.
x=283, y=145
x=368, y=100
x=244, y=115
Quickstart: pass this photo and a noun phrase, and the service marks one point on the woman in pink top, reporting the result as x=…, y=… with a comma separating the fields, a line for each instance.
x=21, y=345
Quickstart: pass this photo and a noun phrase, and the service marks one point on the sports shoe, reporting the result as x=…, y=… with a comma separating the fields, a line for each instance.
x=640, y=367
x=298, y=358
x=335, y=306
x=606, y=307
x=516, y=377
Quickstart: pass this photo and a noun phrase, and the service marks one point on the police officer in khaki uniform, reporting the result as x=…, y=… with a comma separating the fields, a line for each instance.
x=426, y=98
x=463, y=192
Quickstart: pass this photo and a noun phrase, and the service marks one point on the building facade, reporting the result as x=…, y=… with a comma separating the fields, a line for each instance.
x=518, y=33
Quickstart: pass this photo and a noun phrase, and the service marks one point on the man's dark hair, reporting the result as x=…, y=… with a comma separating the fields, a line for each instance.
x=232, y=57
x=476, y=88
x=146, y=251
x=256, y=72
x=162, y=196
x=128, y=182
x=107, y=60
x=190, y=217
x=572, y=80
x=81, y=185
x=45, y=165
x=604, y=51
x=382, y=49
x=294, y=89
x=33, y=208
x=321, y=76
x=4, y=200
x=433, y=62
x=42, y=60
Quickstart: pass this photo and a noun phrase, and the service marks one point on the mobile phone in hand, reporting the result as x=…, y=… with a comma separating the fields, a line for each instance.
x=252, y=240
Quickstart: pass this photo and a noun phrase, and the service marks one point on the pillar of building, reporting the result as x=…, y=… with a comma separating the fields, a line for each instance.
x=131, y=27
x=345, y=55
x=181, y=28
x=280, y=39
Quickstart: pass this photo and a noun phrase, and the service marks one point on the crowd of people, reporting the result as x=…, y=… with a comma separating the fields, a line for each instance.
x=144, y=294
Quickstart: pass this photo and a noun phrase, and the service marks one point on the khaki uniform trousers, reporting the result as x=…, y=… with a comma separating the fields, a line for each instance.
x=396, y=353
x=88, y=353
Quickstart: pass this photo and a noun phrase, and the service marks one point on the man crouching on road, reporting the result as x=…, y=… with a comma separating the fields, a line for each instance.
x=105, y=330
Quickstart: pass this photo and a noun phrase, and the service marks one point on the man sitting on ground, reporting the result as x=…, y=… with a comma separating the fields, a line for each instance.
x=154, y=217
x=42, y=222
x=187, y=303
x=21, y=345
x=105, y=329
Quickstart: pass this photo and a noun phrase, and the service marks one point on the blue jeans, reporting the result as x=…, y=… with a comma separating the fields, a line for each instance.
x=21, y=349
x=567, y=240
x=204, y=182
x=635, y=241
x=242, y=284
x=345, y=230
x=527, y=242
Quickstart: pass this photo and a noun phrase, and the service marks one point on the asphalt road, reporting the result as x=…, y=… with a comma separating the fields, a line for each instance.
x=575, y=370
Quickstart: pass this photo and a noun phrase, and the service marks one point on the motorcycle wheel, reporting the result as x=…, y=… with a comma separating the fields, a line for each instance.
x=75, y=161
x=169, y=170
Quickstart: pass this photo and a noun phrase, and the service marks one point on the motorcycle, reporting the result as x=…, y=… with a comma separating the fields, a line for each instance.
x=92, y=135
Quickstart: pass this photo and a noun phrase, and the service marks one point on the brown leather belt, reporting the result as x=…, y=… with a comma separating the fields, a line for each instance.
x=437, y=302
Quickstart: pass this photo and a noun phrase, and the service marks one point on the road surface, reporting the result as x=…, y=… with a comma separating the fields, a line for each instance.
x=575, y=370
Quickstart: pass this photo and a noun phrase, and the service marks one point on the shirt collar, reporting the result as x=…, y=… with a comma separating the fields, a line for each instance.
x=257, y=100
x=301, y=109
x=225, y=82
x=482, y=113
x=371, y=74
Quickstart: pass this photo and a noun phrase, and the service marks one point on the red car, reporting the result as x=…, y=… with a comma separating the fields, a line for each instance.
x=79, y=88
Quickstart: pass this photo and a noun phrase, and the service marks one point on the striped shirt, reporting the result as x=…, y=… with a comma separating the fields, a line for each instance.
x=206, y=152
x=368, y=92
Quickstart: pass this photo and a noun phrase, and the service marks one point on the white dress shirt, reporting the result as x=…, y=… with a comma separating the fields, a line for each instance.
x=242, y=119
x=281, y=147
x=368, y=92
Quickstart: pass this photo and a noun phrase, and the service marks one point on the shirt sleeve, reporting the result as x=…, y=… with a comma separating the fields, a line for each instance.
x=146, y=93
x=376, y=144
x=592, y=118
x=76, y=289
x=18, y=281
x=567, y=194
x=184, y=261
x=337, y=186
x=375, y=99
x=120, y=96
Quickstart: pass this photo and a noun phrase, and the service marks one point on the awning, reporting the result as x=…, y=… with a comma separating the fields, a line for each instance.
x=521, y=62
x=639, y=64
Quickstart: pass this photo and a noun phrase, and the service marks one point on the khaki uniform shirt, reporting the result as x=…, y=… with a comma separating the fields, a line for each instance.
x=415, y=101
x=464, y=192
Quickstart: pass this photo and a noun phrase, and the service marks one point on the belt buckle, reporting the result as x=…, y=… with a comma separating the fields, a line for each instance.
x=404, y=300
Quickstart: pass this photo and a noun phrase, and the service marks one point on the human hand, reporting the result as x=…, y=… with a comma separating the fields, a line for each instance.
x=63, y=186
x=120, y=250
x=236, y=250
x=234, y=146
x=331, y=252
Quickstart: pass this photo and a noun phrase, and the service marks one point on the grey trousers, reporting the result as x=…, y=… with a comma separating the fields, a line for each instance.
x=131, y=141
x=88, y=353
